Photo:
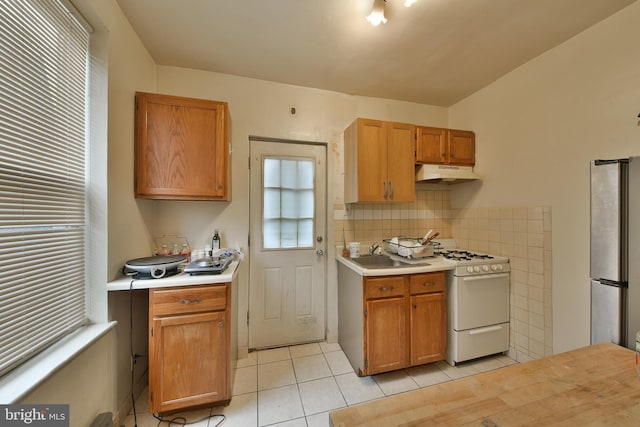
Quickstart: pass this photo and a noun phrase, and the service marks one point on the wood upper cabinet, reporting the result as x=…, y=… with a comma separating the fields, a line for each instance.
x=189, y=346
x=404, y=321
x=379, y=165
x=445, y=146
x=181, y=148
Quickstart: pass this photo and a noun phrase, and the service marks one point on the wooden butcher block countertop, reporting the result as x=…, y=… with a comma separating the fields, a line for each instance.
x=591, y=386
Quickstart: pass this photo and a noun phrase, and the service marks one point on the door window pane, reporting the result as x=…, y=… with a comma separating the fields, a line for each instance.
x=271, y=233
x=271, y=203
x=288, y=203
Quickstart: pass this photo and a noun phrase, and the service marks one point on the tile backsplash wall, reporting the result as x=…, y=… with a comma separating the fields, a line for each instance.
x=523, y=234
x=369, y=222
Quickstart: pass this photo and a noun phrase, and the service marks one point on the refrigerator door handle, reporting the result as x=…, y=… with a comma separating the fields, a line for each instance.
x=607, y=282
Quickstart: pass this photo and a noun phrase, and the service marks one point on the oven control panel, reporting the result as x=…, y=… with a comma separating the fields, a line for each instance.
x=480, y=269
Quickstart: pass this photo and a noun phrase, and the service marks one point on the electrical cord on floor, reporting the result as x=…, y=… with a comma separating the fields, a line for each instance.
x=179, y=420
x=133, y=356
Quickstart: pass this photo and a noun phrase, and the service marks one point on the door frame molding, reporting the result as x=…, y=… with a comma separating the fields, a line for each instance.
x=330, y=335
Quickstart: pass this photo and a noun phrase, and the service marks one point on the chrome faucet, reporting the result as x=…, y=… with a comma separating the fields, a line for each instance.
x=374, y=246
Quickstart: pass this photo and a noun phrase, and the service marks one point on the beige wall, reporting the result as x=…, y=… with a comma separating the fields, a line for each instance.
x=130, y=69
x=538, y=127
x=261, y=108
x=85, y=384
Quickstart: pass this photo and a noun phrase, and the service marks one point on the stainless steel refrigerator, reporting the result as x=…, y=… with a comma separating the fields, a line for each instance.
x=615, y=251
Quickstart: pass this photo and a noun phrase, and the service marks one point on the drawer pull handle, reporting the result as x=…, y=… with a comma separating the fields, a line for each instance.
x=190, y=301
x=429, y=284
x=384, y=288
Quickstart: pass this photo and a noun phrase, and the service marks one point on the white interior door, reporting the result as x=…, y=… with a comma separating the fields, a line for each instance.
x=287, y=272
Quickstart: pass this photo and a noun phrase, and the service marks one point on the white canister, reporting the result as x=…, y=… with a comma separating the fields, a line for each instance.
x=354, y=249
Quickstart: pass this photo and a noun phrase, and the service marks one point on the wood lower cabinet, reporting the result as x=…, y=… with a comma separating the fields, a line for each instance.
x=445, y=146
x=385, y=324
x=402, y=323
x=181, y=148
x=189, y=346
x=428, y=318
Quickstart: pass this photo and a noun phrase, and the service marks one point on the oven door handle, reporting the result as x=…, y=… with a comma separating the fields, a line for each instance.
x=485, y=330
x=484, y=276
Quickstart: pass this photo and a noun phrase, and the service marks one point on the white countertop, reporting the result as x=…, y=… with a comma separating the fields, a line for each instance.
x=181, y=279
x=432, y=264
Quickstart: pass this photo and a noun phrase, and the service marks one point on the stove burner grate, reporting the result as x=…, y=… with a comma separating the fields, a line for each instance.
x=463, y=255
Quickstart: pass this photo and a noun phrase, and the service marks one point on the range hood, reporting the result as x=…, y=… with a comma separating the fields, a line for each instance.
x=445, y=174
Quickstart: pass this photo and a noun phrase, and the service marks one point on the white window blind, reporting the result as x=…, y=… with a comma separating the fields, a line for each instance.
x=43, y=98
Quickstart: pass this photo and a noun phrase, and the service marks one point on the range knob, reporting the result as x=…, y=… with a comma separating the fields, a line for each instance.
x=499, y=267
x=469, y=269
x=485, y=268
x=494, y=267
x=476, y=269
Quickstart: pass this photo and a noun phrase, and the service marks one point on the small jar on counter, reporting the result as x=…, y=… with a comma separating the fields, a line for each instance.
x=186, y=250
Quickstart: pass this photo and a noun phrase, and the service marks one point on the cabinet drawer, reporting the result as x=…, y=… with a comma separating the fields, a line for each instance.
x=427, y=282
x=382, y=287
x=189, y=299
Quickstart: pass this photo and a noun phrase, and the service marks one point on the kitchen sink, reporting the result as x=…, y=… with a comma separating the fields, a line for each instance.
x=381, y=261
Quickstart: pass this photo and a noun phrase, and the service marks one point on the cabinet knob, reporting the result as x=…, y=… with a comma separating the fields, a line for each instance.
x=221, y=324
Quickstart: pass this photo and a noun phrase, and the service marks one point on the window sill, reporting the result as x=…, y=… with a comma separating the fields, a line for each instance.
x=19, y=382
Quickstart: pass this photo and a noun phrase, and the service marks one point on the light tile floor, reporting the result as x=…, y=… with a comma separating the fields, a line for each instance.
x=298, y=386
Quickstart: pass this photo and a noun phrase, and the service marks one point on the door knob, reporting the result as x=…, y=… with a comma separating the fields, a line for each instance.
x=319, y=252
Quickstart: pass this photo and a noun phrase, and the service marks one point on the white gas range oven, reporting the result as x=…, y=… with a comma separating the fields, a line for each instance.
x=477, y=304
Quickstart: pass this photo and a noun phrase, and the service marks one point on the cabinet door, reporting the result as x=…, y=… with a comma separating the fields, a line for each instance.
x=462, y=147
x=431, y=145
x=385, y=336
x=372, y=160
x=182, y=148
x=401, y=185
x=189, y=360
x=428, y=328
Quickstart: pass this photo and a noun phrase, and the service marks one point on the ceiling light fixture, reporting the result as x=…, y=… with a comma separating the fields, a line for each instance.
x=377, y=13
x=408, y=3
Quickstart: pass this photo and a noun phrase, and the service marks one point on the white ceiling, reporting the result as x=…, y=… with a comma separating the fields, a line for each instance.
x=436, y=52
